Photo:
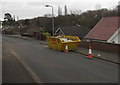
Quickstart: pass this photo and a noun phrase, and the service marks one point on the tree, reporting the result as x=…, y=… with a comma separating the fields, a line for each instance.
x=8, y=16
x=118, y=8
x=66, y=10
x=38, y=23
x=59, y=11
x=8, y=20
x=48, y=15
x=26, y=22
x=75, y=12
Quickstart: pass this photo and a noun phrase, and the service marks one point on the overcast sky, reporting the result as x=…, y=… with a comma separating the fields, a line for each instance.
x=34, y=8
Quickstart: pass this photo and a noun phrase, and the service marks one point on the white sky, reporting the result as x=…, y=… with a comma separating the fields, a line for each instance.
x=34, y=8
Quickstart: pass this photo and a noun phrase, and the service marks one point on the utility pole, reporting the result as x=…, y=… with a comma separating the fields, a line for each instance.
x=52, y=18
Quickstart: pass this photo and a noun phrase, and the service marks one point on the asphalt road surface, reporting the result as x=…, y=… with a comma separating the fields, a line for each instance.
x=0, y=58
x=58, y=67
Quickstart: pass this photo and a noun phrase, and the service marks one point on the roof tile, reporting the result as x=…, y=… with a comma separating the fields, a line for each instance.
x=104, y=29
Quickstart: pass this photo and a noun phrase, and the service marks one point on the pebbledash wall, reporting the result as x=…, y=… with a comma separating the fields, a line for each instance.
x=115, y=37
x=108, y=47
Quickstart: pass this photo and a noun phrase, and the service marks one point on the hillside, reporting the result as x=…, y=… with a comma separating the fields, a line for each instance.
x=85, y=21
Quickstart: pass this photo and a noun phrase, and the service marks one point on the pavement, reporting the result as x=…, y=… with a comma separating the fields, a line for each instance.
x=52, y=66
x=107, y=56
x=20, y=37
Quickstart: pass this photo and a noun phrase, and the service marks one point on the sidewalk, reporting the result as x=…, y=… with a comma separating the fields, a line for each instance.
x=21, y=37
x=96, y=53
x=99, y=54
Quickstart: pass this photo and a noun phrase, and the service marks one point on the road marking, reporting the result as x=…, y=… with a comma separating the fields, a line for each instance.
x=30, y=71
x=46, y=46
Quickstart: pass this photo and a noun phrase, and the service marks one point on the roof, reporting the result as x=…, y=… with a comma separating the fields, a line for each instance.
x=104, y=29
x=75, y=31
x=59, y=30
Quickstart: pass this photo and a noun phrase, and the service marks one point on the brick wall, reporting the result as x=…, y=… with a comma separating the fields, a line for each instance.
x=108, y=47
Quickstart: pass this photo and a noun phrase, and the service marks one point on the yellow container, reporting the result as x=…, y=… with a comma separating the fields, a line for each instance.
x=59, y=43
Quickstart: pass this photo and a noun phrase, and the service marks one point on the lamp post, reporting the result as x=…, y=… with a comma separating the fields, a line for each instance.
x=52, y=18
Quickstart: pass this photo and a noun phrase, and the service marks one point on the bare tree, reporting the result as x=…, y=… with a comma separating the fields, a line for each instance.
x=17, y=18
x=14, y=17
x=59, y=11
x=66, y=13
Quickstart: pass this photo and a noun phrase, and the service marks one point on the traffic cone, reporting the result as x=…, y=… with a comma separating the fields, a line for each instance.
x=90, y=52
x=66, y=48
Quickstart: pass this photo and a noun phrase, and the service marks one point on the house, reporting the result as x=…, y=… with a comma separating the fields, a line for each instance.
x=72, y=31
x=107, y=30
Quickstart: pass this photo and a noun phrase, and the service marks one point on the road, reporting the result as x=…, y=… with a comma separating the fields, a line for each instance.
x=0, y=58
x=12, y=70
x=58, y=67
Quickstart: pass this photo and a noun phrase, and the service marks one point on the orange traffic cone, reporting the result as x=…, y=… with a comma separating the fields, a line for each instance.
x=66, y=48
x=90, y=52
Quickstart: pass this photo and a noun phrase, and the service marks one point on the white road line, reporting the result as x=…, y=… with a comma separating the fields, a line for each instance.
x=30, y=71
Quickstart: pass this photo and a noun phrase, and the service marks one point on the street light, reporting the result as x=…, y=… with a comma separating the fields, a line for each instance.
x=52, y=18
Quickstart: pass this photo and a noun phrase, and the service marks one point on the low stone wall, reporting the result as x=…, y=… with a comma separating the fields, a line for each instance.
x=108, y=47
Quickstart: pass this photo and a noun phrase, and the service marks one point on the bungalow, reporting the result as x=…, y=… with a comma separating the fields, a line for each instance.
x=107, y=30
x=72, y=31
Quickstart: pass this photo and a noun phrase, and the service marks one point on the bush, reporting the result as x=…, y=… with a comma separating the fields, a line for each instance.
x=46, y=35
